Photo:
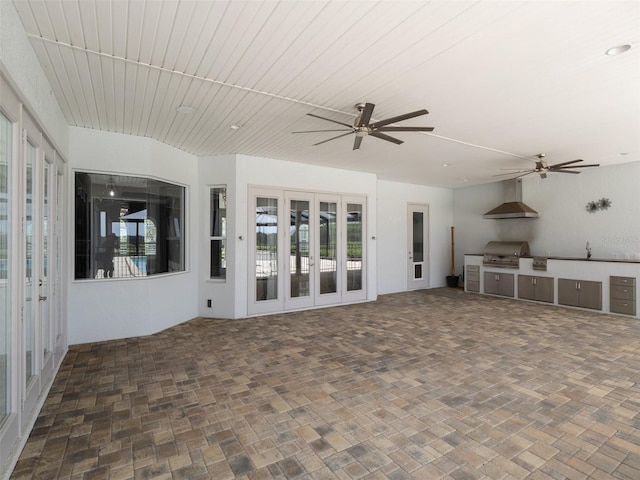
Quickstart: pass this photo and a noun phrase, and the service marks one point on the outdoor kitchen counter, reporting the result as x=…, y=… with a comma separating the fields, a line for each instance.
x=594, y=259
x=572, y=268
x=572, y=259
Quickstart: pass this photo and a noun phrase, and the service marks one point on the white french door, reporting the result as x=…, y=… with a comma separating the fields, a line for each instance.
x=30, y=331
x=40, y=321
x=418, y=246
x=329, y=252
x=300, y=277
x=305, y=250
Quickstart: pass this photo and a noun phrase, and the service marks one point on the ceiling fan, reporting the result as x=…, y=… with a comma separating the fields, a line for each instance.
x=363, y=126
x=542, y=167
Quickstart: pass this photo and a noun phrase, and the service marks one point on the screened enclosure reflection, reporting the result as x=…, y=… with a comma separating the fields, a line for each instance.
x=127, y=226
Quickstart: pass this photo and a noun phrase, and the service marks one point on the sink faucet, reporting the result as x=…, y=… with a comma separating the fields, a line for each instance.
x=588, y=251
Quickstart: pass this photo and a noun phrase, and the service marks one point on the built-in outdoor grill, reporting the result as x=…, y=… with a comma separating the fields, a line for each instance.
x=505, y=254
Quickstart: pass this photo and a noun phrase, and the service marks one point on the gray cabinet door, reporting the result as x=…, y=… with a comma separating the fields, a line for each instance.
x=505, y=284
x=532, y=287
x=580, y=293
x=568, y=292
x=544, y=289
x=590, y=294
x=499, y=283
x=526, y=287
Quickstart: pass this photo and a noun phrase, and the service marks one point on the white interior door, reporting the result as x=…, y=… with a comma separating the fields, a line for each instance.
x=418, y=246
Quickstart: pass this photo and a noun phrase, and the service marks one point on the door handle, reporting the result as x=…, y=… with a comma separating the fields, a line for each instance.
x=42, y=298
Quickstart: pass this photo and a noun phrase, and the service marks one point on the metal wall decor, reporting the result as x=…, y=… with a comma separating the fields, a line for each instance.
x=602, y=204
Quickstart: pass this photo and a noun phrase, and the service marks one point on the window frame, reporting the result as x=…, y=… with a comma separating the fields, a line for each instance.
x=224, y=221
x=183, y=226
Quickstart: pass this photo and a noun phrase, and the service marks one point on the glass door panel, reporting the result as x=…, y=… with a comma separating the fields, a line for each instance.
x=57, y=263
x=328, y=241
x=300, y=277
x=6, y=149
x=328, y=232
x=354, y=246
x=44, y=280
x=417, y=235
x=299, y=259
x=29, y=309
x=266, y=249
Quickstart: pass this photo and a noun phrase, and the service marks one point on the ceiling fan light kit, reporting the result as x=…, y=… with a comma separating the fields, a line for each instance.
x=363, y=127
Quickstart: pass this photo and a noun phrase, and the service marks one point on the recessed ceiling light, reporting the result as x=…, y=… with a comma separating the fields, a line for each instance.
x=185, y=109
x=445, y=164
x=617, y=50
x=235, y=127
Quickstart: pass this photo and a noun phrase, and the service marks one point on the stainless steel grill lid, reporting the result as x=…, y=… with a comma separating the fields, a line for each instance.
x=505, y=254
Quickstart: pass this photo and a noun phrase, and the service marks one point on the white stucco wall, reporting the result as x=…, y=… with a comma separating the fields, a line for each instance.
x=213, y=171
x=20, y=65
x=393, y=199
x=564, y=226
x=118, y=308
x=230, y=298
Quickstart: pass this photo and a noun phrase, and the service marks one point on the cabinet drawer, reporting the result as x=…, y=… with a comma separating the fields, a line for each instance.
x=623, y=293
x=622, y=281
x=473, y=285
x=627, y=307
x=473, y=273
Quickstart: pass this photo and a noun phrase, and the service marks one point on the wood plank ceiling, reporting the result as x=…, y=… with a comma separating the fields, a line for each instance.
x=502, y=81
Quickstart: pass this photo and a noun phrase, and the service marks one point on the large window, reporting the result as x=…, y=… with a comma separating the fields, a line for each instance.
x=127, y=226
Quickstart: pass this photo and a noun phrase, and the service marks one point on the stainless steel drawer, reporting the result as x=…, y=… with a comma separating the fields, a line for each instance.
x=627, y=307
x=473, y=286
x=623, y=293
x=473, y=273
x=628, y=281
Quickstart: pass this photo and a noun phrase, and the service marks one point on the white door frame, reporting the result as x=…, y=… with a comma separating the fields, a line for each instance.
x=300, y=301
x=323, y=265
x=257, y=261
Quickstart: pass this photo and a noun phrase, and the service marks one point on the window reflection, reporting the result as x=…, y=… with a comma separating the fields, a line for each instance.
x=127, y=226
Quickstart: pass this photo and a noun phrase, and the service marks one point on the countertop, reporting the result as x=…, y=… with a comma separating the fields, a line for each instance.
x=580, y=259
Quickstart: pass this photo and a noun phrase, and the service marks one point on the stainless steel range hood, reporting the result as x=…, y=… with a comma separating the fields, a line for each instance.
x=513, y=206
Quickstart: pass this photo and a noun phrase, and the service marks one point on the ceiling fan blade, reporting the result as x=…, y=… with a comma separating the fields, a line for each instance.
x=329, y=120
x=320, y=131
x=382, y=136
x=405, y=129
x=357, y=142
x=332, y=138
x=513, y=173
x=560, y=170
x=565, y=163
x=526, y=173
x=367, y=111
x=399, y=118
x=578, y=166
